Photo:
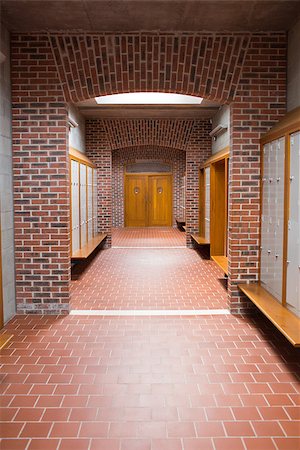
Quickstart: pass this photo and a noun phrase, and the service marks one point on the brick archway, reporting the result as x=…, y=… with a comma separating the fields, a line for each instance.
x=49, y=69
x=204, y=64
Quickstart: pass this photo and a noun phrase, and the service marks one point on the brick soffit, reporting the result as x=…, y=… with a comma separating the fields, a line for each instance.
x=205, y=64
x=163, y=133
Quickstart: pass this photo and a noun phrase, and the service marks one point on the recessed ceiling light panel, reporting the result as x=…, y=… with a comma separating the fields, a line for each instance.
x=148, y=98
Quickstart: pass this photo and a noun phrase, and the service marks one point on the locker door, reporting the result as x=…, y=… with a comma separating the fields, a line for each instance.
x=279, y=218
x=207, y=203
x=83, y=208
x=90, y=202
x=265, y=217
x=75, y=205
x=293, y=272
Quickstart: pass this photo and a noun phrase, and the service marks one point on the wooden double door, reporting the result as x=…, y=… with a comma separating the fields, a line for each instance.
x=148, y=200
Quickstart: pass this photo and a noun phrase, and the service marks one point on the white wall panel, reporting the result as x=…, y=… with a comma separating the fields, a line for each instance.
x=207, y=203
x=75, y=205
x=293, y=265
x=83, y=205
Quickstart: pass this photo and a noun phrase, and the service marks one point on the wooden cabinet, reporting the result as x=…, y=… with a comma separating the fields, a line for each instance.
x=213, y=205
x=83, y=183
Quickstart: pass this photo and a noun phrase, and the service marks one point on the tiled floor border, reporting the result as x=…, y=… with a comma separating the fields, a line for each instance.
x=153, y=312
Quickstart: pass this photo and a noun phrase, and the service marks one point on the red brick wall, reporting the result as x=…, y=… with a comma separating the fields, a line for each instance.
x=248, y=70
x=41, y=182
x=123, y=156
x=260, y=102
x=98, y=149
x=198, y=150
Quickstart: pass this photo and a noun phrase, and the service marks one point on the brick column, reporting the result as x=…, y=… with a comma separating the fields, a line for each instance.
x=41, y=179
x=198, y=150
x=99, y=151
x=260, y=103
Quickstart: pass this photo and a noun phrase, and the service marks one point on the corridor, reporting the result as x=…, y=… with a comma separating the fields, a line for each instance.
x=149, y=269
x=207, y=381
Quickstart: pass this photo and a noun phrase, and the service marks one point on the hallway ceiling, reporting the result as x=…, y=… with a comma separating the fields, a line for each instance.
x=132, y=15
x=206, y=110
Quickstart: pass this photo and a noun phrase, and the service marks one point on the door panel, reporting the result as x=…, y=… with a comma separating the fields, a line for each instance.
x=135, y=201
x=160, y=200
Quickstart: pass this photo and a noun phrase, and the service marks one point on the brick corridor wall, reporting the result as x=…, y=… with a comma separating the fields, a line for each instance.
x=98, y=149
x=198, y=150
x=248, y=70
x=259, y=104
x=123, y=156
x=41, y=179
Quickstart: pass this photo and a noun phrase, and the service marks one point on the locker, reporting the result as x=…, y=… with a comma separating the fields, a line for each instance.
x=207, y=203
x=83, y=205
x=272, y=217
x=75, y=205
x=279, y=218
x=293, y=251
x=265, y=217
x=90, y=202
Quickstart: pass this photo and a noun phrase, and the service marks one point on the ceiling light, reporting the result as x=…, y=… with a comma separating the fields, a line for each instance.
x=148, y=98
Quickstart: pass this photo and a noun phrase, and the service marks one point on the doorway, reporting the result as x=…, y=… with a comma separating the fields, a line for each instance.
x=148, y=200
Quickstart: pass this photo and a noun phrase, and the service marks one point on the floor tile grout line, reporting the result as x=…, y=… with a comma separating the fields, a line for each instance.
x=144, y=312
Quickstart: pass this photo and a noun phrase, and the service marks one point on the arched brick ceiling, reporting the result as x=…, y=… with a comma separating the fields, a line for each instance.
x=131, y=133
x=205, y=64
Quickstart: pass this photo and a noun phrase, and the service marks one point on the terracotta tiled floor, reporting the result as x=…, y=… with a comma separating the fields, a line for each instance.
x=148, y=237
x=92, y=383
x=135, y=278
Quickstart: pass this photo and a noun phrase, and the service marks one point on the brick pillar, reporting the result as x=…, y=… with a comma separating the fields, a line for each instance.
x=99, y=151
x=41, y=179
x=198, y=150
x=260, y=103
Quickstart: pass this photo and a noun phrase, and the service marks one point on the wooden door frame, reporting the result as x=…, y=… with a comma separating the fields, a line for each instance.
x=147, y=174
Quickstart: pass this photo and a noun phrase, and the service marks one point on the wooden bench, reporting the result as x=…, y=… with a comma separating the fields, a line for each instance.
x=283, y=319
x=88, y=249
x=4, y=339
x=222, y=262
x=199, y=239
x=180, y=224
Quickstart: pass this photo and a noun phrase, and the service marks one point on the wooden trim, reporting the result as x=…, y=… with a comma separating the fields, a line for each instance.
x=202, y=202
x=288, y=125
x=80, y=157
x=224, y=153
x=283, y=319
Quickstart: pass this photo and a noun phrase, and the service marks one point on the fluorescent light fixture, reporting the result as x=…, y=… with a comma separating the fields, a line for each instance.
x=148, y=98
